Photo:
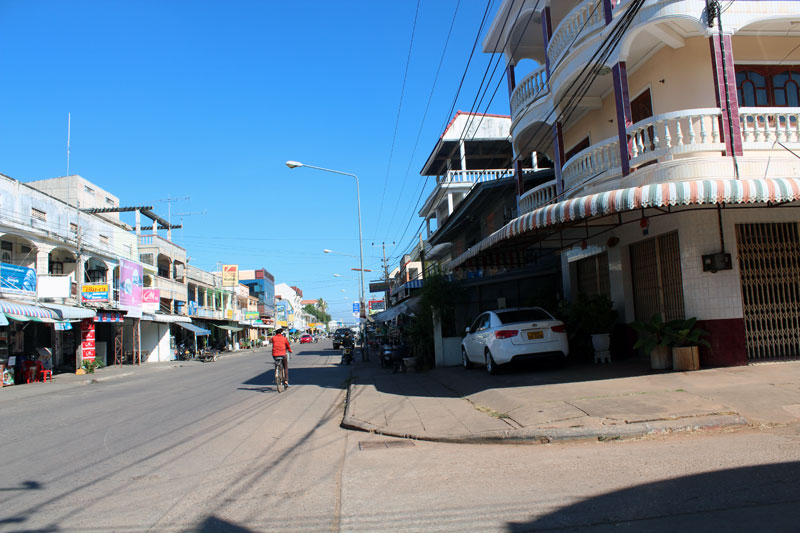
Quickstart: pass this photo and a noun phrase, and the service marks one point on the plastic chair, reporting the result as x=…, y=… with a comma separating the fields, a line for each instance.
x=42, y=373
x=28, y=371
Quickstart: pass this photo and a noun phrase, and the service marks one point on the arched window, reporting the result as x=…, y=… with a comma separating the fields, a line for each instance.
x=768, y=85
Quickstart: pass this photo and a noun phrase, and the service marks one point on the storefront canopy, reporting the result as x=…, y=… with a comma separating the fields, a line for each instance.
x=25, y=310
x=676, y=193
x=407, y=307
x=197, y=330
x=68, y=312
x=166, y=319
x=230, y=328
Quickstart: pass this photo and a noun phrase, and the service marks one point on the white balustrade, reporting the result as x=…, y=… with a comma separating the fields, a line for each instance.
x=590, y=163
x=476, y=176
x=528, y=90
x=537, y=197
x=768, y=126
x=584, y=19
x=668, y=134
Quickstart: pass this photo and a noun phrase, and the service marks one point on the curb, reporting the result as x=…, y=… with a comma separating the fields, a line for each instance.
x=547, y=435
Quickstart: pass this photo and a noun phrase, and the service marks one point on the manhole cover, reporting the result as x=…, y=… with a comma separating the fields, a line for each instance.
x=383, y=444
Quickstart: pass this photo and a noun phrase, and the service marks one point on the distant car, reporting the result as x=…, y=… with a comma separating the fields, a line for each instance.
x=499, y=337
x=305, y=339
x=338, y=335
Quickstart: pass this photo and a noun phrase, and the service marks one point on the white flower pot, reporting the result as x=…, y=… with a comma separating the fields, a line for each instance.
x=601, y=341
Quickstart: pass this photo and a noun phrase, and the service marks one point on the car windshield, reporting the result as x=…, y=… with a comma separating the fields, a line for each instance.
x=522, y=315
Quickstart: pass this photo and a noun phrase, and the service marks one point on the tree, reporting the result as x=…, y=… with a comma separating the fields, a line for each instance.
x=322, y=305
x=322, y=316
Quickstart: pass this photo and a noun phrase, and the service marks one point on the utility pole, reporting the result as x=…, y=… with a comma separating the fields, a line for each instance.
x=385, y=273
x=422, y=255
x=169, y=200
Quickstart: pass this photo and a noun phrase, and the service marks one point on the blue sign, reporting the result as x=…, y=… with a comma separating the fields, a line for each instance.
x=17, y=278
x=356, y=307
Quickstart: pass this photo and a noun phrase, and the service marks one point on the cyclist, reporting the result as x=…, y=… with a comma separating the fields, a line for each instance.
x=280, y=345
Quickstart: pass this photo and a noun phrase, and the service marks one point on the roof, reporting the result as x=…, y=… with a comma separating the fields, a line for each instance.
x=676, y=193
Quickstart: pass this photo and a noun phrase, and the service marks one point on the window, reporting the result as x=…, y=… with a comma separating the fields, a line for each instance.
x=88, y=189
x=523, y=315
x=768, y=85
x=6, y=245
x=146, y=258
x=56, y=267
x=73, y=227
x=104, y=239
x=109, y=201
x=38, y=214
x=592, y=275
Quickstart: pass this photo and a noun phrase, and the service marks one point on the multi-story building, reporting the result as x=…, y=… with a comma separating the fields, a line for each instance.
x=288, y=300
x=671, y=126
x=262, y=285
x=60, y=265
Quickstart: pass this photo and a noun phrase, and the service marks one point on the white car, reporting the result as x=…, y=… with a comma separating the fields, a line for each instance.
x=505, y=335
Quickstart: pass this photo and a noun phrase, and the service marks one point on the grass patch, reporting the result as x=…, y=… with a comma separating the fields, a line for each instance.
x=491, y=412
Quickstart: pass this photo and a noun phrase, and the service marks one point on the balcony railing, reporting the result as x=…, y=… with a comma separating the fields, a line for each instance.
x=475, y=176
x=590, y=163
x=537, y=197
x=528, y=90
x=679, y=132
x=764, y=127
x=164, y=246
x=584, y=19
x=170, y=288
x=661, y=137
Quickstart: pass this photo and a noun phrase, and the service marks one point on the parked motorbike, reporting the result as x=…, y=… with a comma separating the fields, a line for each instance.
x=184, y=352
x=347, y=355
x=387, y=355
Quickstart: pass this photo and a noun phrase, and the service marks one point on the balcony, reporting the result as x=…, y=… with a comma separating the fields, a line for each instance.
x=537, y=197
x=657, y=139
x=171, y=289
x=163, y=246
x=584, y=20
x=475, y=176
x=528, y=91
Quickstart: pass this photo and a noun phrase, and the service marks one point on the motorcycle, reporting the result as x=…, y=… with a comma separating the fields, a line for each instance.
x=184, y=353
x=347, y=355
x=387, y=356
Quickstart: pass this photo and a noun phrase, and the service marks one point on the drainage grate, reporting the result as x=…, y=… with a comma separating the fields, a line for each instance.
x=383, y=444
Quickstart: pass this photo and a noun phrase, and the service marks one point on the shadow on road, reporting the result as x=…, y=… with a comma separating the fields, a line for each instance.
x=212, y=524
x=756, y=498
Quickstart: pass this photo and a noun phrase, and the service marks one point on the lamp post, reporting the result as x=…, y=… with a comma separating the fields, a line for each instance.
x=296, y=164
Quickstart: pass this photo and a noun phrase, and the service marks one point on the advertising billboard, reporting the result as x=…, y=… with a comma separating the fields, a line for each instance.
x=17, y=278
x=230, y=275
x=130, y=287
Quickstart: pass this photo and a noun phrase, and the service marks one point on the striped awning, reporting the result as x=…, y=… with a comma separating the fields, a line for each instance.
x=24, y=310
x=676, y=193
x=108, y=317
x=413, y=284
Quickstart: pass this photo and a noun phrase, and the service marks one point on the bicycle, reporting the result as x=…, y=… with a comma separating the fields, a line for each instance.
x=280, y=377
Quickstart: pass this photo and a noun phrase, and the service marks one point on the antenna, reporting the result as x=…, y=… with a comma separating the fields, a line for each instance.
x=203, y=212
x=169, y=200
x=69, y=119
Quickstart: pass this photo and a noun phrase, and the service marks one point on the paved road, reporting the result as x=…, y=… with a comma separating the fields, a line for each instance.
x=212, y=447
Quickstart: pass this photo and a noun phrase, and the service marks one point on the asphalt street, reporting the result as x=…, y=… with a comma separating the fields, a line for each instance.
x=214, y=448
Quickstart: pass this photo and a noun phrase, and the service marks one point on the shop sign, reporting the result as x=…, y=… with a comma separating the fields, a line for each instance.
x=230, y=275
x=94, y=292
x=376, y=306
x=54, y=286
x=229, y=313
x=87, y=339
x=151, y=299
x=251, y=315
x=17, y=278
x=62, y=326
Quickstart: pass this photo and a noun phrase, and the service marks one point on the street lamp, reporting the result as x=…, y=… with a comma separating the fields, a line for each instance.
x=297, y=164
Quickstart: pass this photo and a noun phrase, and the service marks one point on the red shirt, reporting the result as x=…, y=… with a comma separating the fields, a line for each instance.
x=280, y=345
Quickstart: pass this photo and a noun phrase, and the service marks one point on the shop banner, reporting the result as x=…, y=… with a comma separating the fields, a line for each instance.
x=94, y=292
x=87, y=339
x=17, y=278
x=230, y=275
x=130, y=283
x=151, y=299
x=251, y=315
x=62, y=326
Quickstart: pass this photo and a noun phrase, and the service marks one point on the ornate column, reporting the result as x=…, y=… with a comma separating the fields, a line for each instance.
x=733, y=143
x=622, y=101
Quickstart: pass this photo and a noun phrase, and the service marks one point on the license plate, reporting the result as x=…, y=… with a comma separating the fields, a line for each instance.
x=538, y=334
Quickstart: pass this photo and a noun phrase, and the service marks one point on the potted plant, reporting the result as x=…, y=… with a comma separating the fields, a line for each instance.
x=599, y=318
x=652, y=340
x=685, y=340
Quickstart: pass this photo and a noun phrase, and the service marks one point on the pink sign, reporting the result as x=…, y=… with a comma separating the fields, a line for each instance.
x=151, y=296
x=87, y=338
x=130, y=283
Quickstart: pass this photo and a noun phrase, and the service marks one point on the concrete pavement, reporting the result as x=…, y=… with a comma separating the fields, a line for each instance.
x=609, y=401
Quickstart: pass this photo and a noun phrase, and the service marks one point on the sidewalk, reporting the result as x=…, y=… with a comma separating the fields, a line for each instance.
x=618, y=400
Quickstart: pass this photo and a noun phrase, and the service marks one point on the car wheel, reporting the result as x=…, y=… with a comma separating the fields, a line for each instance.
x=491, y=366
x=465, y=360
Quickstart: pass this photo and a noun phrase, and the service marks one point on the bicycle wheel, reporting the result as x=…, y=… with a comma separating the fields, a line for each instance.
x=279, y=376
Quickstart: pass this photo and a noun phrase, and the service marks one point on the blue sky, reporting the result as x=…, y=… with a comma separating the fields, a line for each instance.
x=209, y=99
